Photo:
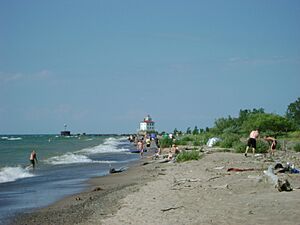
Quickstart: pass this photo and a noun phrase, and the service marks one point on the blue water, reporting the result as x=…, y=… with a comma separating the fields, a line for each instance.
x=64, y=164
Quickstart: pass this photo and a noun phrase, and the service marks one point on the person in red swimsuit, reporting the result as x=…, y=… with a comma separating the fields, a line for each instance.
x=273, y=142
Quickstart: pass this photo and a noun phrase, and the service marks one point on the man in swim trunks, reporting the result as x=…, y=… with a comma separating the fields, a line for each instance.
x=33, y=159
x=252, y=141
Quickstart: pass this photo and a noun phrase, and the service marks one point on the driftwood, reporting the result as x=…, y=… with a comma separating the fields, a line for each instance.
x=240, y=170
x=225, y=186
x=212, y=178
x=171, y=208
x=182, y=181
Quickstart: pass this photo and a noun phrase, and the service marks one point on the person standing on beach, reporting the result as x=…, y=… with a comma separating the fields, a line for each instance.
x=140, y=146
x=148, y=142
x=33, y=159
x=252, y=141
x=273, y=142
x=157, y=142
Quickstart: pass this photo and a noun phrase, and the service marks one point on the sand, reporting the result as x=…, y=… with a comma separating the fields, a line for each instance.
x=193, y=192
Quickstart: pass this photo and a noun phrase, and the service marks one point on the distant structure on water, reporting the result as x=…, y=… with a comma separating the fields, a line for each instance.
x=147, y=124
x=65, y=132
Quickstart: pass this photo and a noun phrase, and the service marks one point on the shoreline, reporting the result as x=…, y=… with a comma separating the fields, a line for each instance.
x=107, y=188
x=193, y=192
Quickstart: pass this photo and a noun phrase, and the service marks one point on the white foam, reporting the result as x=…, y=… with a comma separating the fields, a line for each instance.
x=14, y=138
x=109, y=145
x=81, y=156
x=9, y=174
x=70, y=158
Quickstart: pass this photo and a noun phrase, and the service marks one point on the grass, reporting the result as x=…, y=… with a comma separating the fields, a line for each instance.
x=188, y=155
x=297, y=147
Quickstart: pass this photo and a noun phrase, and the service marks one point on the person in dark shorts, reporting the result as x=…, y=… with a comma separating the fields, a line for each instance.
x=33, y=159
x=252, y=141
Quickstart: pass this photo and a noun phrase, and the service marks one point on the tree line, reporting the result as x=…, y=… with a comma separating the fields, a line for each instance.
x=247, y=120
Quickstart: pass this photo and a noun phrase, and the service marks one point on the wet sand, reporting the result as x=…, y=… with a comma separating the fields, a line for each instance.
x=194, y=192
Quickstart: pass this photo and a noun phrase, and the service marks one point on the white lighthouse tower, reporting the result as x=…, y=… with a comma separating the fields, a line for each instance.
x=147, y=124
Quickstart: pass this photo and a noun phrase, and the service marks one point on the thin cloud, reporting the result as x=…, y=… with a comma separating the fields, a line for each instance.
x=263, y=61
x=6, y=78
x=179, y=36
x=180, y=67
x=42, y=75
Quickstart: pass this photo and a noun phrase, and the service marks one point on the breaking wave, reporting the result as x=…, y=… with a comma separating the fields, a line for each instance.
x=9, y=174
x=11, y=138
x=110, y=145
x=71, y=158
x=81, y=156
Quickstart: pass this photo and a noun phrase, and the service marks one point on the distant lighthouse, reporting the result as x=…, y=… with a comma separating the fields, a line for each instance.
x=147, y=124
x=65, y=132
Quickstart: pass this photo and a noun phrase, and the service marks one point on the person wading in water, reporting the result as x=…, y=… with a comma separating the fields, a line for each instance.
x=33, y=159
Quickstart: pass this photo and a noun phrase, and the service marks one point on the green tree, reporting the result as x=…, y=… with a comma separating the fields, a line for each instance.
x=195, y=131
x=225, y=125
x=293, y=112
x=188, y=131
x=175, y=132
x=246, y=113
x=267, y=122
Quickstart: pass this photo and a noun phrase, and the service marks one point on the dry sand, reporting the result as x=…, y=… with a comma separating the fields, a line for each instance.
x=194, y=192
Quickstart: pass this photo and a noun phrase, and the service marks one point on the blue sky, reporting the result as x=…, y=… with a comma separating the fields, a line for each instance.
x=101, y=66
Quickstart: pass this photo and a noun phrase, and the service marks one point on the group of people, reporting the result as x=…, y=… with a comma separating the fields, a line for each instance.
x=174, y=151
x=144, y=142
x=252, y=142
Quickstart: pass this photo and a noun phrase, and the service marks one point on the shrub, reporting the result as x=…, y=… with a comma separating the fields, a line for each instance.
x=294, y=135
x=165, y=142
x=196, y=143
x=187, y=138
x=239, y=147
x=188, y=155
x=180, y=142
x=261, y=146
x=228, y=141
x=297, y=147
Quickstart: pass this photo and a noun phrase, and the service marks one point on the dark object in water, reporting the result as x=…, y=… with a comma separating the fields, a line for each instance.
x=134, y=151
x=65, y=133
x=113, y=170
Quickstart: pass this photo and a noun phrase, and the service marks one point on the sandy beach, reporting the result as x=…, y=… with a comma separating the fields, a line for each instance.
x=193, y=192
